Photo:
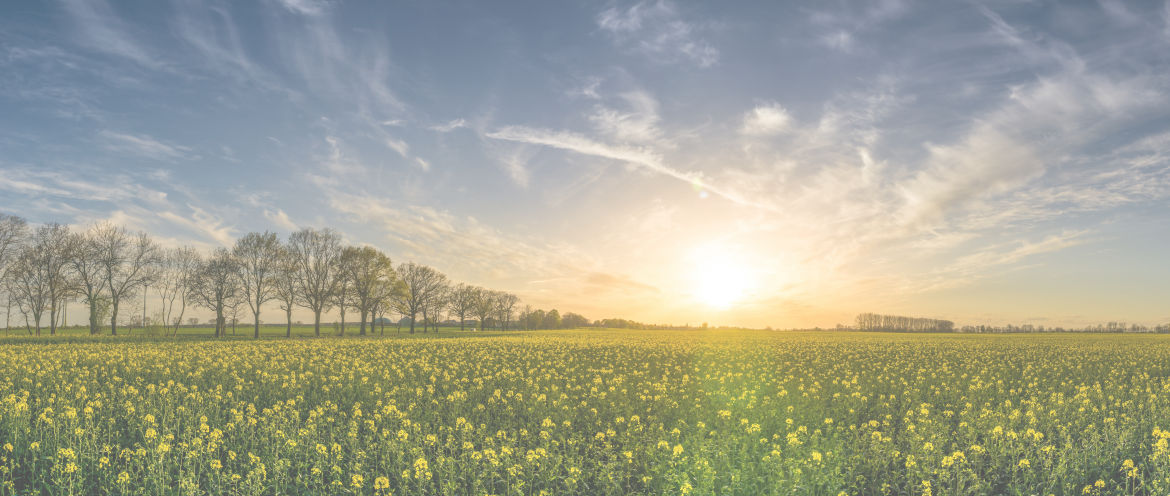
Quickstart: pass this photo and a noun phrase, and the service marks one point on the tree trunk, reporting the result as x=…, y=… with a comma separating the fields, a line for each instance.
x=288, y=327
x=317, y=322
x=362, y=332
x=113, y=316
x=342, y=331
x=412, y=322
x=256, y=321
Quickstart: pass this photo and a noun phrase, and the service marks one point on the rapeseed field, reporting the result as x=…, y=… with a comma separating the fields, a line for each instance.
x=590, y=412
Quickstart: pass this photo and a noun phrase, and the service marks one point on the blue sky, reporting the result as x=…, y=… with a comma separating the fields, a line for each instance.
x=980, y=161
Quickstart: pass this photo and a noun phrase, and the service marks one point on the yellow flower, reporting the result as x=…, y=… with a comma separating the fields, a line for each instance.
x=381, y=483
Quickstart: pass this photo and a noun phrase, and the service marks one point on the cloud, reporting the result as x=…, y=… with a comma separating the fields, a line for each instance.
x=766, y=120
x=450, y=126
x=306, y=7
x=280, y=219
x=638, y=124
x=399, y=146
x=143, y=145
x=103, y=31
x=656, y=29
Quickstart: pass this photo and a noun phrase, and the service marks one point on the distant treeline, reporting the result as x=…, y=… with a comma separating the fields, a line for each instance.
x=1108, y=327
x=899, y=323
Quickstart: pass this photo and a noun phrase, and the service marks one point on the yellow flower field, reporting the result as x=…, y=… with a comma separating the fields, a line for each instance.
x=590, y=412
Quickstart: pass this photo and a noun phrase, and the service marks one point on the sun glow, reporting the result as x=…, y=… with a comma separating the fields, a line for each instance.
x=720, y=282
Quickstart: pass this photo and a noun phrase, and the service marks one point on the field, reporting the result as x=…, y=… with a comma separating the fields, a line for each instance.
x=589, y=411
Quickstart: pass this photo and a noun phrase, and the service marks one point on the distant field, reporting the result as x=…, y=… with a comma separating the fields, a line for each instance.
x=589, y=411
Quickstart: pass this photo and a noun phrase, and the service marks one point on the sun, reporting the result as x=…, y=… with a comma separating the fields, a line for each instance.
x=720, y=282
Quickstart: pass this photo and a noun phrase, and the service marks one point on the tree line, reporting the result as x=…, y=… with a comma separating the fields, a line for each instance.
x=877, y=322
x=103, y=267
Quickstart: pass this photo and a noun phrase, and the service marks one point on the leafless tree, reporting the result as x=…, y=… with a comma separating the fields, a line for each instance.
x=461, y=302
x=343, y=295
x=89, y=274
x=483, y=305
x=13, y=232
x=434, y=304
x=28, y=286
x=216, y=285
x=258, y=258
x=505, y=306
x=175, y=280
x=50, y=247
x=285, y=287
x=128, y=262
x=420, y=282
x=314, y=253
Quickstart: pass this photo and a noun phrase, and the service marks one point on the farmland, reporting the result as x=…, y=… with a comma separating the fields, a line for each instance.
x=597, y=411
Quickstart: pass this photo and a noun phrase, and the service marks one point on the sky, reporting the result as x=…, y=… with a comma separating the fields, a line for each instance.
x=741, y=163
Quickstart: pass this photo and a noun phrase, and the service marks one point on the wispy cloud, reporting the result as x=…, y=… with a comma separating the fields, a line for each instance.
x=637, y=123
x=657, y=29
x=102, y=30
x=450, y=125
x=641, y=157
x=143, y=145
x=766, y=120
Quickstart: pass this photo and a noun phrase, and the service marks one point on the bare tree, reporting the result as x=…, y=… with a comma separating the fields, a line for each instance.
x=420, y=282
x=174, y=283
x=29, y=288
x=343, y=295
x=483, y=305
x=462, y=301
x=50, y=248
x=12, y=235
x=314, y=253
x=89, y=274
x=13, y=232
x=216, y=285
x=371, y=274
x=258, y=258
x=505, y=306
x=128, y=263
x=285, y=287
x=434, y=304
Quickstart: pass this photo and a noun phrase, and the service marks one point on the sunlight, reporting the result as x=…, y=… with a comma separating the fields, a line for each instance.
x=720, y=281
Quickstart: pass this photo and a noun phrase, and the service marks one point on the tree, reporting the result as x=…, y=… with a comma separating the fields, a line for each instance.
x=177, y=270
x=258, y=259
x=552, y=319
x=483, y=305
x=216, y=285
x=127, y=264
x=343, y=296
x=13, y=232
x=89, y=274
x=285, y=287
x=50, y=248
x=420, y=283
x=314, y=254
x=370, y=273
x=434, y=304
x=505, y=305
x=461, y=302
x=573, y=320
x=28, y=287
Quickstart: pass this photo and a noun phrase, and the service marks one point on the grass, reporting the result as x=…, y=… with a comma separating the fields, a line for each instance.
x=588, y=411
